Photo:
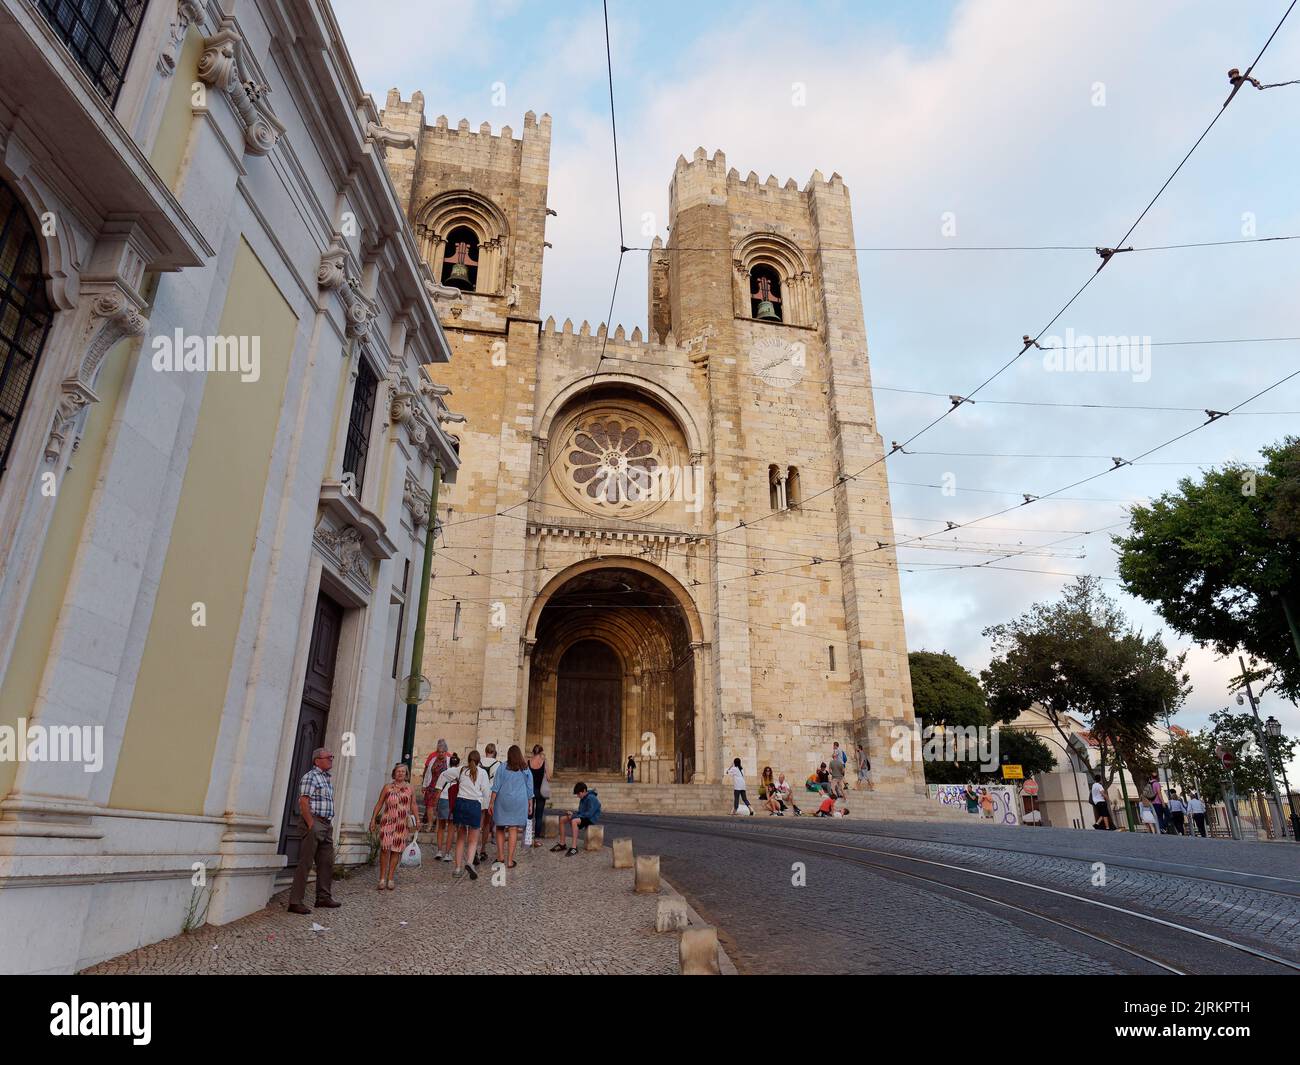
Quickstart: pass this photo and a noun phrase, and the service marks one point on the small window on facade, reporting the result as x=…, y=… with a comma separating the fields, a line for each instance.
x=830, y=654
x=765, y=295
x=460, y=260
x=357, y=446
x=401, y=613
x=773, y=488
x=455, y=624
x=100, y=34
x=792, y=487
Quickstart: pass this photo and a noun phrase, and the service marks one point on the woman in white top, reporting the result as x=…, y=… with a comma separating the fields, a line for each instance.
x=738, y=788
x=473, y=787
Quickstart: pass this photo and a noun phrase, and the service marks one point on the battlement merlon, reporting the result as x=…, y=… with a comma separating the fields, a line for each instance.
x=412, y=112
x=706, y=179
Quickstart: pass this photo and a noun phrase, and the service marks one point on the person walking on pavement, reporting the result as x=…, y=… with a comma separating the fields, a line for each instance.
x=511, y=803
x=434, y=766
x=1158, y=803
x=490, y=764
x=444, y=794
x=316, y=806
x=864, y=767
x=393, y=816
x=472, y=790
x=1177, y=814
x=1099, y=805
x=738, y=796
x=541, y=791
x=1196, y=807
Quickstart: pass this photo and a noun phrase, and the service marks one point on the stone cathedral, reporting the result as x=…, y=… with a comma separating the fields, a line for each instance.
x=671, y=559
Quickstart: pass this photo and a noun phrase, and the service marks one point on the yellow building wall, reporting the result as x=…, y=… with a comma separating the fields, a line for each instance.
x=72, y=504
x=171, y=734
x=168, y=153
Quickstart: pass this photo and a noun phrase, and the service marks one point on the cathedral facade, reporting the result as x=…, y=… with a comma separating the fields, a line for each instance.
x=674, y=543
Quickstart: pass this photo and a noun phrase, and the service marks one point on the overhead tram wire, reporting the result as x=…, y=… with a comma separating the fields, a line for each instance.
x=958, y=401
x=886, y=248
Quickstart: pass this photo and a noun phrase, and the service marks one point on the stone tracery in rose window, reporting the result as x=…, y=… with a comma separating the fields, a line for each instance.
x=611, y=461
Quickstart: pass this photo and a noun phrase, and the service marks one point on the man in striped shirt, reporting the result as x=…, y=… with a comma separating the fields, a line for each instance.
x=316, y=806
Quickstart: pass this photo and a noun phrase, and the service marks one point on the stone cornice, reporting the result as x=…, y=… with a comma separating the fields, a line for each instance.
x=224, y=66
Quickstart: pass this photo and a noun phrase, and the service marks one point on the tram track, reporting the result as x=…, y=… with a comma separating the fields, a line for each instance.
x=1174, y=952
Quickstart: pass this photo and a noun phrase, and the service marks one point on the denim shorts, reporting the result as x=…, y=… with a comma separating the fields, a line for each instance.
x=444, y=810
x=468, y=813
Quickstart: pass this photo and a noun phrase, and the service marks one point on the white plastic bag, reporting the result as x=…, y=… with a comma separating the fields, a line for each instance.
x=411, y=856
x=528, y=832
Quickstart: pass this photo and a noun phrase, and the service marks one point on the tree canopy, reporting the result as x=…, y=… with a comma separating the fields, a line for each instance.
x=1218, y=557
x=1079, y=656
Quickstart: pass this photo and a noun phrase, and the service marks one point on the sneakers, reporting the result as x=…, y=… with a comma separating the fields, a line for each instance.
x=298, y=907
x=447, y=857
x=473, y=873
x=558, y=847
x=571, y=852
x=456, y=874
x=437, y=856
x=330, y=904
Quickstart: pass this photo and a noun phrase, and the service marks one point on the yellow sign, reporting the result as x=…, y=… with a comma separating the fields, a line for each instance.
x=1013, y=772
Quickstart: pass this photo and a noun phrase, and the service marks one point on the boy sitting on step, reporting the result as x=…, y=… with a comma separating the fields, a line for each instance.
x=588, y=813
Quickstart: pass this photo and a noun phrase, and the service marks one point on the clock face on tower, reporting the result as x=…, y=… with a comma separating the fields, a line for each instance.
x=777, y=362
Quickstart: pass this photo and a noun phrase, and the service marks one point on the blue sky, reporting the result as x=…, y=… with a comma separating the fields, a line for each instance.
x=985, y=110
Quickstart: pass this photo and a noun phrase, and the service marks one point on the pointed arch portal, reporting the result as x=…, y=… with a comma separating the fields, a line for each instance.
x=613, y=670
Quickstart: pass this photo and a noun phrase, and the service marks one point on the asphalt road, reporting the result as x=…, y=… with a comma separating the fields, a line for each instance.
x=818, y=896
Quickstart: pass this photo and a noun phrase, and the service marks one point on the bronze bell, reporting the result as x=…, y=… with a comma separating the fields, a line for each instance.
x=766, y=300
x=460, y=261
x=459, y=274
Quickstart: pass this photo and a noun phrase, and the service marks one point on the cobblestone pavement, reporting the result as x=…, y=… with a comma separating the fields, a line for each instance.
x=553, y=915
x=847, y=919
x=1267, y=916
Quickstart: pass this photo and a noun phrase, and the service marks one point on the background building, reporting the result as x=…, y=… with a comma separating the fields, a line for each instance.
x=696, y=621
x=208, y=570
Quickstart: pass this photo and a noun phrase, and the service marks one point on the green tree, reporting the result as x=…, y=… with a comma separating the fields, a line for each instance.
x=1193, y=763
x=944, y=692
x=946, y=695
x=1079, y=656
x=1218, y=556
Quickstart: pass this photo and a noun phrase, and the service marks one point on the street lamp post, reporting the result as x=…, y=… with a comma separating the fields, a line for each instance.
x=1273, y=728
x=1263, y=742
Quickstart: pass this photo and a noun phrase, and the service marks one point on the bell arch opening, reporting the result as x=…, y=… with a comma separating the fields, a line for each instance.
x=613, y=674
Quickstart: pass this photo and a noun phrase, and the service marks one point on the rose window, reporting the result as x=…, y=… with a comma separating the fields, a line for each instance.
x=612, y=462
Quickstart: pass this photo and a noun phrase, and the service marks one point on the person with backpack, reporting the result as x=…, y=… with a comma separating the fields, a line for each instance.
x=738, y=795
x=587, y=814
x=472, y=790
x=434, y=766
x=490, y=764
x=838, y=761
x=864, y=767
x=444, y=795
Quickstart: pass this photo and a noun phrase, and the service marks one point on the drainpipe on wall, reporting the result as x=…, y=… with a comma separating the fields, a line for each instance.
x=417, y=645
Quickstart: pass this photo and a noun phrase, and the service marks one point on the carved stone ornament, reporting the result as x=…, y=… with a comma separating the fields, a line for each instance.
x=221, y=67
x=416, y=500
x=383, y=137
x=401, y=409
x=188, y=12
x=332, y=272
x=347, y=545
x=112, y=317
x=362, y=311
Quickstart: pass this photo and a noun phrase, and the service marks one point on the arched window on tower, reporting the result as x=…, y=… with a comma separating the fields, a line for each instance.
x=793, y=491
x=774, y=487
x=460, y=261
x=765, y=293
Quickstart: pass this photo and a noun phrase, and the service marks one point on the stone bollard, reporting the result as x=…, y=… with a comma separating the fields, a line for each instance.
x=595, y=837
x=552, y=826
x=622, y=853
x=647, y=874
x=698, y=952
x=671, y=915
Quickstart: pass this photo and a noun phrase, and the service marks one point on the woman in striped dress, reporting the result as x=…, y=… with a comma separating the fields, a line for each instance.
x=394, y=817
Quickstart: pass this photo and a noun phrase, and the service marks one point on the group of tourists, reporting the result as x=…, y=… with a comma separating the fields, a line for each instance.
x=828, y=781
x=466, y=805
x=1156, y=812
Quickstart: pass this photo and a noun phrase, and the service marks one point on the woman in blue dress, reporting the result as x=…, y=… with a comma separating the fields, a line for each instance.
x=511, y=804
